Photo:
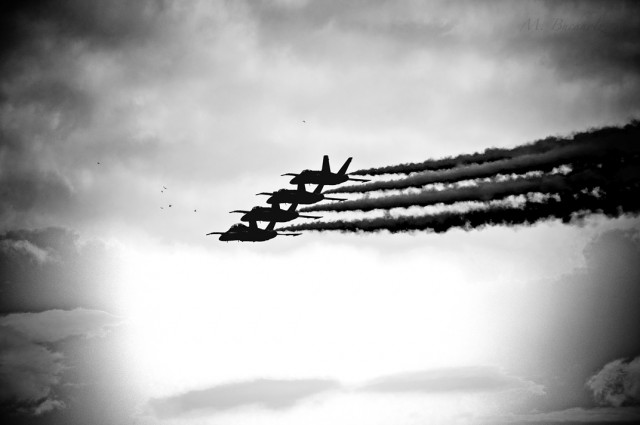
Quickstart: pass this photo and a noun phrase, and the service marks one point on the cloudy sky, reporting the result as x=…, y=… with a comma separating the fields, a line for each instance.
x=116, y=308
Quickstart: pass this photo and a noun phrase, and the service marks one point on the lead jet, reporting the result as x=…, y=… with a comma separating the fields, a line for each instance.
x=324, y=176
x=250, y=233
x=273, y=213
x=297, y=196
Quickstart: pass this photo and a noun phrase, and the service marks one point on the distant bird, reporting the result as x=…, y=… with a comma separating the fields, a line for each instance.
x=162, y=191
x=169, y=205
x=161, y=208
x=165, y=187
x=304, y=121
x=98, y=163
x=194, y=210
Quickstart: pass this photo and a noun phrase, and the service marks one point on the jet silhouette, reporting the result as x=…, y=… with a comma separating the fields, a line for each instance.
x=324, y=176
x=297, y=196
x=252, y=233
x=273, y=213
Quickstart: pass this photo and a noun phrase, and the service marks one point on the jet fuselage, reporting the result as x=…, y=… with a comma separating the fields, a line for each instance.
x=290, y=196
x=319, y=177
x=259, y=235
x=269, y=214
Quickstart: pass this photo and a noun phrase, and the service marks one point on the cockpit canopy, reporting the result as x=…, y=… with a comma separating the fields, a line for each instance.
x=237, y=227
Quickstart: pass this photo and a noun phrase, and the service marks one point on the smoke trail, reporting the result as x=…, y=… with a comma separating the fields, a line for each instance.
x=569, y=207
x=628, y=132
x=585, y=153
x=612, y=171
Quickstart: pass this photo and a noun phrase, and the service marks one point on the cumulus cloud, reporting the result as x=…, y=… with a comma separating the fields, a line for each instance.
x=269, y=393
x=30, y=369
x=617, y=384
x=461, y=379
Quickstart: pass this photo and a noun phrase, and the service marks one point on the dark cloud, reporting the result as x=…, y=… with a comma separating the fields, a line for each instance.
x=379, y=20
x=582, y=40
x=576, y=39
x=573, y=416
x=617, y=384
x=50, y=268
x=28, y=373
x=38, y=193
x=108, y=23
x=461, y=379
x=269, y=393
x=580, y=322
x=46, y=100
x=31, y=371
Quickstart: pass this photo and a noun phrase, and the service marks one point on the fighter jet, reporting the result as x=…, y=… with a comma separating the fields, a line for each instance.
x=251, y=233
x=273, y=213
x=297, y=196
x=324, y=176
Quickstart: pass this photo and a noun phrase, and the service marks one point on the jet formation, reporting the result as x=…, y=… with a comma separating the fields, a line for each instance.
x=275, y=214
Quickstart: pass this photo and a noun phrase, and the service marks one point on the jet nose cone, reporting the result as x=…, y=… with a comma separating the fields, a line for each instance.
x=295, y=180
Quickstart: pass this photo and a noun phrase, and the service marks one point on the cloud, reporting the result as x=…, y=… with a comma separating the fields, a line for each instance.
x=56, y=325
x=617, y=383
x=575, y=415
x=561, y=36
x=269, y=393
x=580, y=321
x=43, y=269
x=158, y=91
x=30, y=370
x=282, y=394
x=114, y=22
x=462, y=379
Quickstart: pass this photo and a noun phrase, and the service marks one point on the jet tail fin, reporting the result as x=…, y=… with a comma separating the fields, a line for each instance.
x=325, y=164
x=343, y=169
x=318, y=189
x=271, y=225
x=293, y=207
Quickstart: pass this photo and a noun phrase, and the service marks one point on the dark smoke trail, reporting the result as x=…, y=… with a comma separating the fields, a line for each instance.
x=588, y=152
x=612, y=202
x=629, y=132
x=611, y=171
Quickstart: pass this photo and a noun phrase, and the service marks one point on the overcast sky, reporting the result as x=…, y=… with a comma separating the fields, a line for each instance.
x=116, y=308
